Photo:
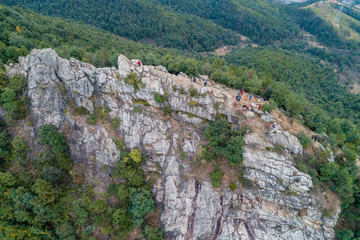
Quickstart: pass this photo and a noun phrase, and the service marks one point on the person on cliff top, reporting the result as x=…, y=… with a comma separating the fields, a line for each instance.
x=239, y=92
x=238, y=98
x=242, y=91
x=246, y=98
x=259, y=107
x=250, y=97
x=139, y=63
x=205, y=83
x=194, y=79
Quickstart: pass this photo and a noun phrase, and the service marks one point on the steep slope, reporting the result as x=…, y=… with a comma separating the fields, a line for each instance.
x=259, y=20
x=279, y=206
x=140, y=21
x=23, y=30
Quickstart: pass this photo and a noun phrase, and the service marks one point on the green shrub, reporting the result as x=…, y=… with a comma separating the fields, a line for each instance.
x=8, y=96
x=234, y=150
x=82, y=111
x=208, y=155
x=66, y=231
x=49, y=136
x=115, y=123
x=45, y=191
x=80, y=211
x=216, y=176
x=100, y=113
x=135, y=155
x=303, y=139
x=52, y=174
x=136, y=109
x=192, y=103
x=345, y=234
x=247, y=183
x=160, y=98
x=225, y=142
x=133, y=80
x=182, y=91
x=120, y=144
x=141, y=101
x=7, y=179
x=183, y=155
x=17, y=83
x=19, y=150
x=328, y=171
x=232, y=186
x=91, y=120
x=279, y=149
x=121, y=219
x=167, y=110
x=344, y=186
x=193, y=92
x=269, y=106
x=151, y=233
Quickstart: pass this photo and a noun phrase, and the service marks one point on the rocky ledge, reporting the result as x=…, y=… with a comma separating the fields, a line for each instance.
x=279, y=205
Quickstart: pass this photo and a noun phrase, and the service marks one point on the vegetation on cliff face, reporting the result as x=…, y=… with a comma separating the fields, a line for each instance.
x=43, y=199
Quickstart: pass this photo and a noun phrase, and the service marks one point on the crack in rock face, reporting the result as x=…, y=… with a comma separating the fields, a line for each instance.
x=279, y=206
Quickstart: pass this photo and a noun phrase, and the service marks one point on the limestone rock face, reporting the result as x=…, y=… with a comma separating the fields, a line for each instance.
x=278, y=206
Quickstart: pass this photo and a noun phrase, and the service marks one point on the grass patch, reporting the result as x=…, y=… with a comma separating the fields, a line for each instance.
x=141, y=101
x=216, y=176
x=167, y=110
x=193, y=103
x=115, y=123
x=160, y=98
x=82, y=111
x=100, y=113
x=133, y=80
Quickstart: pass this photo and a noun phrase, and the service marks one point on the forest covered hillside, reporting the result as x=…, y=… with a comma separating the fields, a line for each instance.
x=293, y=55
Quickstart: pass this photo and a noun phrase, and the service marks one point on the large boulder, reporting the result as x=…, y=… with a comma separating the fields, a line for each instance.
x=124, y=65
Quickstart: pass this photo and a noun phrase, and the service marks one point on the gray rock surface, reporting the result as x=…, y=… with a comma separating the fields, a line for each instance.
x=279, y=206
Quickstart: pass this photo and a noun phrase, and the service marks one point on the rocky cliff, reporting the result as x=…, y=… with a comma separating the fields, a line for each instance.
x=278, y=205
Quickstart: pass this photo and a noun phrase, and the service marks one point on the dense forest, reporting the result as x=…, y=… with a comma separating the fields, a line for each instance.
x=140, y=20
x=299, y=79
x=198, y=25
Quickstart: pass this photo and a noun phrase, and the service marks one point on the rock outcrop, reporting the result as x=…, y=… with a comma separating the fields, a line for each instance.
x=278, y=206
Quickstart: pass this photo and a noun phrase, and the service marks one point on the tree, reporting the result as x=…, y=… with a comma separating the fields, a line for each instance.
x=345, y=234
x=8, y=96
x=141, y=204
x=19, y=150
x=344, y=186
x=66, y=231
x=151, y=233
x=17, y=83
x=7, y=179
x=52, y=174
x=45, y=191
x=80, y=211
x=328, y=171
x=218, y=133
x=234, y=150
x=121, y=219
x=191, y=67
x=49, y=136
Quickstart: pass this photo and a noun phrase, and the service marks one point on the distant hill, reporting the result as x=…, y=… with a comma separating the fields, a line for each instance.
x=289, y=1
